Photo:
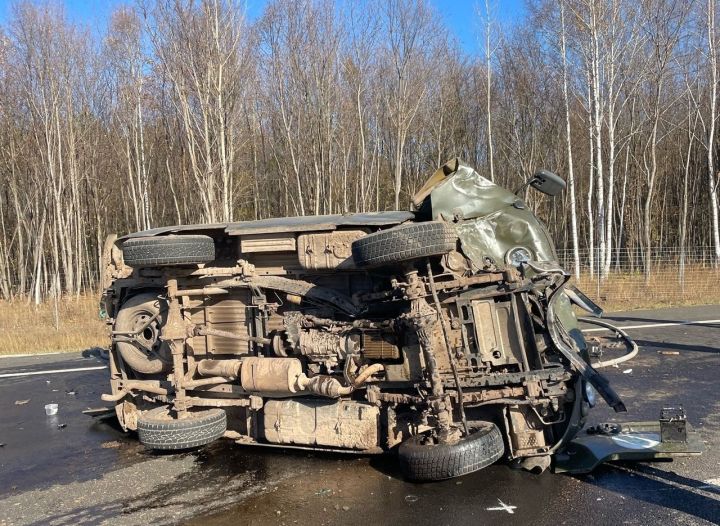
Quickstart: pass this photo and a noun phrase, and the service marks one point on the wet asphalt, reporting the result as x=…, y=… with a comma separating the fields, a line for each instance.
x=73, y=469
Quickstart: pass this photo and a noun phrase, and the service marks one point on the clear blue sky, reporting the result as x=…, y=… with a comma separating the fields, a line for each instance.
x=462, y=18
x=459, y=15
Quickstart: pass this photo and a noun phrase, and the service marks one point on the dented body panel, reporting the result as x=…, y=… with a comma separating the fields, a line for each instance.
x=491, y=219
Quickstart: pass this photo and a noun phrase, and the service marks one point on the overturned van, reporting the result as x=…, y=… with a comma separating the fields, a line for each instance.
x=446, y=333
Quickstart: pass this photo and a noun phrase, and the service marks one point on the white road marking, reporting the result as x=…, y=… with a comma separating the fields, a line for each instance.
x=53, y=371
x=650, y=325
x=711, y=484
x=30, y=355
x=503, y=507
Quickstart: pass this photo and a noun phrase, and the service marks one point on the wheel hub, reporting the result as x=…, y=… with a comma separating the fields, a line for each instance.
x=149, y=336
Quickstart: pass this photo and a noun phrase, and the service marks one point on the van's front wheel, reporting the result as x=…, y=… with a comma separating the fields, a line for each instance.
x=422, y=459
x=404, y=243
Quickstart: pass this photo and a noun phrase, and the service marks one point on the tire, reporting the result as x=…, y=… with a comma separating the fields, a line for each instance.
x=168, y=250
x=132, y=316
x=157, y=429
x=444, y=461
x=403, y=243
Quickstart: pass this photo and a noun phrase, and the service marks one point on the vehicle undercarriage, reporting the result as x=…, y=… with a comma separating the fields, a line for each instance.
x=447, y=333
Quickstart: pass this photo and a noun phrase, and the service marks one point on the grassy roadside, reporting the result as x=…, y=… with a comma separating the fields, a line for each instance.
x=29, y=328
x=623, y=291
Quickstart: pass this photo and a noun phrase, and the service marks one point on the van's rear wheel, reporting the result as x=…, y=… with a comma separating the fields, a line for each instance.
x=422, y=459
x=160, y=429
x=168, y=250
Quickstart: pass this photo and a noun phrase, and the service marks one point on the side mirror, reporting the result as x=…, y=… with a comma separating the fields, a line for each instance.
x=548, y=182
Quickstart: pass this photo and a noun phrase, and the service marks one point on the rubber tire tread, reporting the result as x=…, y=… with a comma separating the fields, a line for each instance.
x=168, y=250
x=445, y=461
x=163, y=434
x=403, y=243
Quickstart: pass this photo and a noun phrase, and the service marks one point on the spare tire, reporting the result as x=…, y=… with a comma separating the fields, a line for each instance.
x=429, y=461
x=168, y=250
x=146, y=354
x=159, y=429
x=403, y=243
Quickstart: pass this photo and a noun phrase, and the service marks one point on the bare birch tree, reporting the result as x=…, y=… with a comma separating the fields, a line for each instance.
x=128, y=65
x=201, y=51
x=410, y=32
x=568, y=142
x=711, y=123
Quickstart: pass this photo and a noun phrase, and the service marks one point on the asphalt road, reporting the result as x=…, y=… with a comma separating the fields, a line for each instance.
x=72, y=469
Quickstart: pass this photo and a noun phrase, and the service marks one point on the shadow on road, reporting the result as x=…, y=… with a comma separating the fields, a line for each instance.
x=662, y=488
x=96, y=352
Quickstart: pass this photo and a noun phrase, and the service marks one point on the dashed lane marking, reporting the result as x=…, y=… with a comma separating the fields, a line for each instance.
x=31, y=354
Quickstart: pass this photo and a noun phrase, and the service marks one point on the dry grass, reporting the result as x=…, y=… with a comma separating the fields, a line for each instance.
x=27, y=328
x=629, y=290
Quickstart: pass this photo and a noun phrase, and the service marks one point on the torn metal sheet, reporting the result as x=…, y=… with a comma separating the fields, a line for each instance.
x=626, y=441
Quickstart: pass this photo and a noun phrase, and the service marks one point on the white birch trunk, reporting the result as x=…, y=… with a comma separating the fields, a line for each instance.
x=488, y=83
x=712, y=58
x=568, y=142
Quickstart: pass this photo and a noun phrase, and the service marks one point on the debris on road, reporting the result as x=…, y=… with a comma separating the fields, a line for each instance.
x=627, y=371
x=21, y=402
x=51, y=409
x=669, y=353
x=323, y=492
x=62, y=426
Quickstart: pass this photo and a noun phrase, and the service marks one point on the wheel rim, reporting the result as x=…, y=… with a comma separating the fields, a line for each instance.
x=148, y=337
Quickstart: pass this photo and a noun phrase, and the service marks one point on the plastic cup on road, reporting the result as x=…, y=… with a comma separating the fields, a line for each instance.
x=51, y=409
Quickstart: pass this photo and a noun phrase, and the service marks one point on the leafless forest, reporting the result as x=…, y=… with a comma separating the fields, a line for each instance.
x=183, y=111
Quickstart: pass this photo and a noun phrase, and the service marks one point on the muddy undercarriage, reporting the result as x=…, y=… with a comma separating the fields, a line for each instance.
x=350, y=333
